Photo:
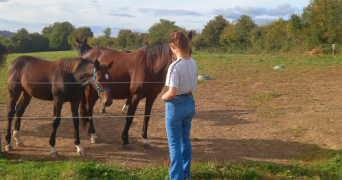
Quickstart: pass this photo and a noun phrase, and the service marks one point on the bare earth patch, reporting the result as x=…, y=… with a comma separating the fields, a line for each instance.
x=230, y=125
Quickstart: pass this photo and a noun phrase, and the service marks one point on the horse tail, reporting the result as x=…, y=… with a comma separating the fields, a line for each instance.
x=3, y=55
x=83, y=109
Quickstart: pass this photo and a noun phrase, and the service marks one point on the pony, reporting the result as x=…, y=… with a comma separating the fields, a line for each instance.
x=61, y=81
x=137, y=75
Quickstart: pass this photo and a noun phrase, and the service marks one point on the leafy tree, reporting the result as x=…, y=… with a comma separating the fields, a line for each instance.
x=59, y=35
x=8, y=43
x=243, y=26
x=39, y=43
x=324, y=21
x=296, y=32
x=213, y=29
x=47, y=31
x=93, y=42
x=81, y=33
x=161, y=31
x=126, y=38
x=236, y=37
x=257, y=39
x=107, y=32
x=199, y=43
x=21, y=41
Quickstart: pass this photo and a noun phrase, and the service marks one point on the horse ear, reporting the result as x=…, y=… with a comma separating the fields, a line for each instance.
x=110, y=64
x=190, y=35
x=85, y=41
x=77, y=41
x=97, y=65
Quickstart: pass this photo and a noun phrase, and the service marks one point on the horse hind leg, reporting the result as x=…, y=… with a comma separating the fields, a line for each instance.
x=129, y=119
x=20, y=109
x=14, y=94
x=103, y=110
x=57, y=114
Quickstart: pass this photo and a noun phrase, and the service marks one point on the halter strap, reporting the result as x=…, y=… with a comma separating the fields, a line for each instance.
x=97, y=86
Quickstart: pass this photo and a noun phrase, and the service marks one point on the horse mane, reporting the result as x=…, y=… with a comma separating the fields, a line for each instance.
x=71, y=64
x=161, y=49
x=3, y=55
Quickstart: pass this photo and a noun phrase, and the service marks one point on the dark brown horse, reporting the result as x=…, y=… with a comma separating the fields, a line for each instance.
x=137, y=75
x=60, y=81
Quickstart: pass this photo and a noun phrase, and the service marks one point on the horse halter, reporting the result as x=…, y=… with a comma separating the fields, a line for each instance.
x=97, y=86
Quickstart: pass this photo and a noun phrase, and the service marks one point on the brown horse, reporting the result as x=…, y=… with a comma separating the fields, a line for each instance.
x=60, y=81
x=137, y=75
x=83, y=47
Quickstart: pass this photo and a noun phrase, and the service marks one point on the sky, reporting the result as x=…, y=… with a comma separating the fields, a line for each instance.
x=138, y=15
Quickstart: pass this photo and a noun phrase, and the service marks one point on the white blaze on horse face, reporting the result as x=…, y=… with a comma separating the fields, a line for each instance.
x=107, y=76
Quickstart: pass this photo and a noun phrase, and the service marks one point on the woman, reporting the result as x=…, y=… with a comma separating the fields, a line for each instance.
x=180, y=106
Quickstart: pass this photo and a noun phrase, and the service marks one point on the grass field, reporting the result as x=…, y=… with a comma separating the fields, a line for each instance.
x=235, y=71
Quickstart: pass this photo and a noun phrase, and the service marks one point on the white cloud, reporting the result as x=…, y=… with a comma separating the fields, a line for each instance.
x=169, y=12
x=34, y=15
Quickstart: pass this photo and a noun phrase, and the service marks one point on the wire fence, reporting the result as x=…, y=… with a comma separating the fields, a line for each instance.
x=163, y=115
x=216, y=80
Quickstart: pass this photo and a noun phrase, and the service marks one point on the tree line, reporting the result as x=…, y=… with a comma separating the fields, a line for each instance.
x=318, y=27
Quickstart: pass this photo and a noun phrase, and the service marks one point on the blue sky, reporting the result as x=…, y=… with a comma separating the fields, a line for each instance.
x=137, y=15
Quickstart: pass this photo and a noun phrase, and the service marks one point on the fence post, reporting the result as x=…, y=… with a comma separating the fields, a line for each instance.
x=333, y=47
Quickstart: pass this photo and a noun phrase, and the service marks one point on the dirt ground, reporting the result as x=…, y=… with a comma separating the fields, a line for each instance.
x=229, y=125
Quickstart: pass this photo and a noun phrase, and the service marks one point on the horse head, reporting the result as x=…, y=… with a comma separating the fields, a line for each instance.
x=82, y=46
x=102, y=79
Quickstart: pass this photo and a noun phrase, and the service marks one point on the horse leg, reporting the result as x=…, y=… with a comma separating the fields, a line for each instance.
x=103, y=110
x=57, y=114
x=20, y=109
x=92, y=98
x=148, y=108
x=125, y=107
x=86, y=109
x=14, y=96
x=75, y=118
x=129, y=119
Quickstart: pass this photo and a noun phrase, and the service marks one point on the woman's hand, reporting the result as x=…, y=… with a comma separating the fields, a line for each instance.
x=170, y=94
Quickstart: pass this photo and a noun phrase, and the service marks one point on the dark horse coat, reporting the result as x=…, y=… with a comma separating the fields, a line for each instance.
x=60, y=81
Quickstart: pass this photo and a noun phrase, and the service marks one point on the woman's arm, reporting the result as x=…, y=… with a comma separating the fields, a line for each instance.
x=170, y=94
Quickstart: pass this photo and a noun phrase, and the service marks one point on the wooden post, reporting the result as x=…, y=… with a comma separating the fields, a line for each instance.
x=333, y=47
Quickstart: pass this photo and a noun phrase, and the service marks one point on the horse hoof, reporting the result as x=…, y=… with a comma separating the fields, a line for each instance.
x=54, y=154
x=147, y=146
x=81, y=153
x=127, y=147
x=20, y=144
x=94, y=140
x=8, y=148
x=103, y=111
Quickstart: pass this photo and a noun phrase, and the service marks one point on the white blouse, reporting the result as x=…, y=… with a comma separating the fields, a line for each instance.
x=182, y=74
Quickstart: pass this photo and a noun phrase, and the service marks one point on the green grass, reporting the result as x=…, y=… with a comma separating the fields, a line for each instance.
x=17, y=169
x=225, y=70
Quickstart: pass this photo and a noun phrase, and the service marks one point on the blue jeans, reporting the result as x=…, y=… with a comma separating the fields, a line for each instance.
x=178, y=116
